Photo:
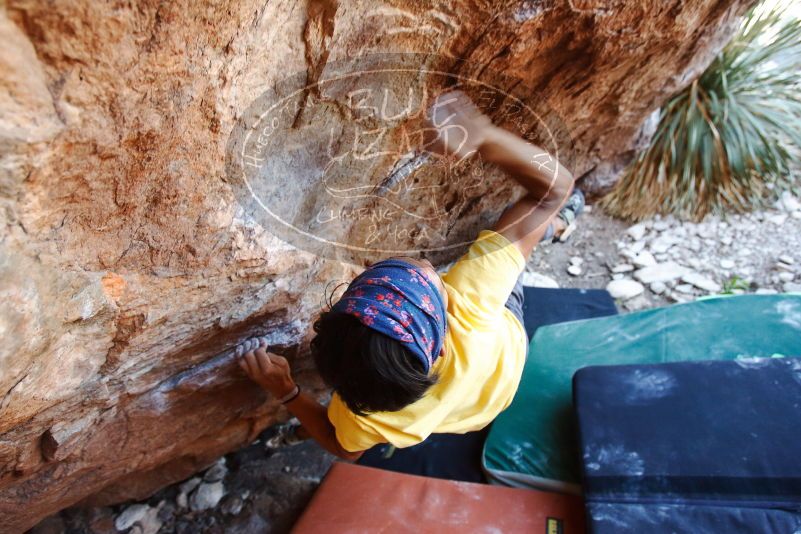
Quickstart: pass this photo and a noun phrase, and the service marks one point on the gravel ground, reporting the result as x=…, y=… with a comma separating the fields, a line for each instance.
x=664, y=260
x=654, y=263
x=253, y=490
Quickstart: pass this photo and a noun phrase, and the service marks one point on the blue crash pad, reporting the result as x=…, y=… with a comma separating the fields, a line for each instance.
x=692, y=447
x=533, y=443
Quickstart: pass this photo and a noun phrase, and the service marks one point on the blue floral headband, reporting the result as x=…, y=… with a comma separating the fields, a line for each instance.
x=395, y=298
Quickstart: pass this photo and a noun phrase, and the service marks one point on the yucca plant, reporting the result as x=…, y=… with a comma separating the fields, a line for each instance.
x=728, y=141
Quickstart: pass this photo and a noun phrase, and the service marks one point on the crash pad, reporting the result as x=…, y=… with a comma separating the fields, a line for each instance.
x=354, y=498
x=534, y=442
x=692, y=446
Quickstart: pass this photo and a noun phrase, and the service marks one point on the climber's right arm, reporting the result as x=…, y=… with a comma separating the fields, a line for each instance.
x=548, y=182
x=463, y=130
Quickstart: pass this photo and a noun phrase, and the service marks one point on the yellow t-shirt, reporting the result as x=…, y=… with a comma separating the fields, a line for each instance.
x=485, y=349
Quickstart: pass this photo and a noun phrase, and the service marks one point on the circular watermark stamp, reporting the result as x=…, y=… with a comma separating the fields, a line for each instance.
x=343, y=166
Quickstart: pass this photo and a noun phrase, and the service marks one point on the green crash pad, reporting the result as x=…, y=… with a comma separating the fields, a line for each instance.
x=533, y=443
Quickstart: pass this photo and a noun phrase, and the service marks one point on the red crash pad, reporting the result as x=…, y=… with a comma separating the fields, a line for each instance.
x=354, y=499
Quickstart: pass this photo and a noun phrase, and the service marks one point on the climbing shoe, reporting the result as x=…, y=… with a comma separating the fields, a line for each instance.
x=285, y=436
x=568, y=214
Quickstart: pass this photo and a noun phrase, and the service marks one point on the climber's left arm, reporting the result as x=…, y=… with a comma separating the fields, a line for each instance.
x=313, y=416
x=272, y=373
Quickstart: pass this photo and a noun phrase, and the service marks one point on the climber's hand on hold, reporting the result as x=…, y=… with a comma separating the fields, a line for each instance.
x=268, y=370
x=271, y=372
x=456, y=127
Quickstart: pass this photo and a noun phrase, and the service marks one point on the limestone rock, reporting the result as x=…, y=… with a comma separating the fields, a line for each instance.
x=134, y=256
x=150, y=523
x=206, y=496
x=624, y=289
x=778, y=219
x=661, y=225
x=658, y=288
x=216, y=472
x=622, y=268
x=131, y=515
x=788, y=202
x=574, y=270
x=182, y=499
x=791, y=287
x=701, y=282
x=663, y=243
x=661, y=272
x=635, y=248
x=637, y=231
x=687, y=289
x=640, y=302
x=644, y=259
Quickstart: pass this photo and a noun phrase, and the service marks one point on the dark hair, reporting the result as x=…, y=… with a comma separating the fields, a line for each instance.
x=371, y=372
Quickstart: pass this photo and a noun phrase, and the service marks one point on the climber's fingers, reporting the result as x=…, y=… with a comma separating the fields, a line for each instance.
x=252, y=364
x=257, y=362
x=247, y=346
x=239, y=353
x=263, y=359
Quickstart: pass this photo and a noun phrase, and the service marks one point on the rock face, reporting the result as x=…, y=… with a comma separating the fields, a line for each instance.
x=139, y=144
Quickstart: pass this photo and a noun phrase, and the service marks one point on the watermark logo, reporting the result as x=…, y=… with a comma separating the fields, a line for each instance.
x=344, y=166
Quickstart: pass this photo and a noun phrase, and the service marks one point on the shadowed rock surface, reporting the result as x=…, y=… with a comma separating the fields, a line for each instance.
x=130, y=262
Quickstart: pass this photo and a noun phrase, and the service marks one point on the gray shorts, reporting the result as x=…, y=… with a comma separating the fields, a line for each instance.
x=515, y=303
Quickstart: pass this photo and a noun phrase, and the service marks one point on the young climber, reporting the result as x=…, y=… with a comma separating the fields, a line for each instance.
x=408, y=352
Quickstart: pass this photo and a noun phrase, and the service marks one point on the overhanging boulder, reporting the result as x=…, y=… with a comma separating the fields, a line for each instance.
x=131, y=256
